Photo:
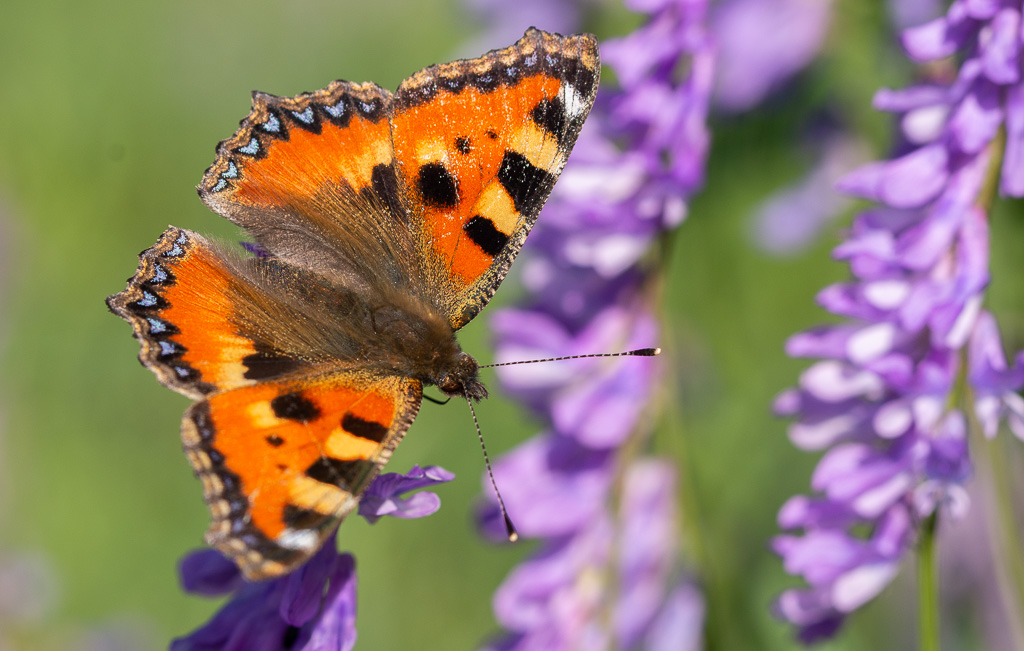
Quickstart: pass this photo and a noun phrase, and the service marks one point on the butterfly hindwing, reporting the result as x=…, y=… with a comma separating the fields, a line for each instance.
x=283, y=462
x=479, y=145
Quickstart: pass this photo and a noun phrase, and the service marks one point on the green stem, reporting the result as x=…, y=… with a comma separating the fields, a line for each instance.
x=928, y=587
x=990, y=186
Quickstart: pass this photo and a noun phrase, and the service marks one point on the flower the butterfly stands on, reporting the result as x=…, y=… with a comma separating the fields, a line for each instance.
x=384, y=223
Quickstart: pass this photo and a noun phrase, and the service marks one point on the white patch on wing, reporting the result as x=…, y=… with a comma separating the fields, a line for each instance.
x=298, y=539
x=572, y=101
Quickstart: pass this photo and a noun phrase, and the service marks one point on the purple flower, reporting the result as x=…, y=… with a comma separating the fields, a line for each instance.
x=382, y=497
x=792, y=218
x=588, y=399
x=909, y=13
x=314, y=607
x=558, y=598
x=882, y=399
x=505, y=22
x=255, y=249
x=764, y=43
x=995, y=386
x=606, y=571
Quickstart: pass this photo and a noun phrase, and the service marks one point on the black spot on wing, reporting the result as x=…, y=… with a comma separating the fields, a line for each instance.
x=346, y=474
x=437, y=186
x=364, y=429
x=384, y=181
x=268, y=363
x=275, y=440
x=550, y=116
x=583, y=79
x=301, y=519
x=485, y=235
x=527, y=184
x=294, y=406
x=463, y=145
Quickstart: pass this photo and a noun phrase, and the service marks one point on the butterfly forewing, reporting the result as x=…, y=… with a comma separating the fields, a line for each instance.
x=311, y=178
x=479, y=145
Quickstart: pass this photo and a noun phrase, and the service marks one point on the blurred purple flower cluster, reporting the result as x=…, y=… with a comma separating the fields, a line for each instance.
x=314, y=607
x=606, y=572
x=884, y=400
x=762, y=44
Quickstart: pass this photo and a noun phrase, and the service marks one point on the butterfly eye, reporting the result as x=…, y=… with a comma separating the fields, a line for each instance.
x=449, y=384
x=466, y=366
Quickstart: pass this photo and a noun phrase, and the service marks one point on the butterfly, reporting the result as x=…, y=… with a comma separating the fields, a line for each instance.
x=383, y=223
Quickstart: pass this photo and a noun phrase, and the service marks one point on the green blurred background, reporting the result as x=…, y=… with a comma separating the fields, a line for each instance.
x=109, y=113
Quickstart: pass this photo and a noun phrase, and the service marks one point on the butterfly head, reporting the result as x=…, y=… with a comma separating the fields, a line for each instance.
x=460, y=378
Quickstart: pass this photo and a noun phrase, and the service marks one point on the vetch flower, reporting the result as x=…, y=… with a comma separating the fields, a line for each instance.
x=313, y=608
x=505, y=22
x=885, y=398
x=383, y=497
x=762, y=44
x=606, y=572
x=789, y=220
x=995, y=385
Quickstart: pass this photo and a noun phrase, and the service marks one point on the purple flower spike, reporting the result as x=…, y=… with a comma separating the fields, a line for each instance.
x=791, y=219
x=879, y=400
x=382, y=497
x=582, y=394
x=606, y=572
x=764, y=43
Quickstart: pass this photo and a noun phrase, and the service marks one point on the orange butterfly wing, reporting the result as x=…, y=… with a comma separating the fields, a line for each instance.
x=450, y=173
x=311, y=178
x=479, y=145
x=283, y=462
x=187, y=338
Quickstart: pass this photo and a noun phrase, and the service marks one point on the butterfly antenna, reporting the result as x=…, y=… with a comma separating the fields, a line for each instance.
x=640, y=352
x=513, y=535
